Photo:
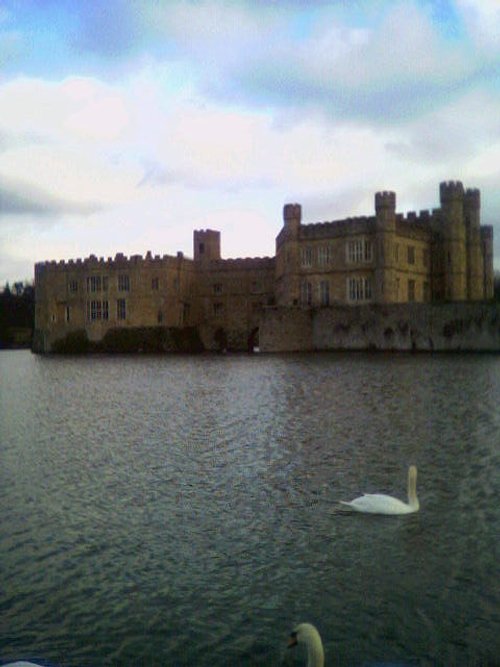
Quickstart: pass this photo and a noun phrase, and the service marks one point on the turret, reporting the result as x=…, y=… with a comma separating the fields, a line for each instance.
x=454, y=248
x=206, y=244
x=292, y=215
x=472, y=206
x=487, y=248
x=385, y=209
x=385, y=277
x=475, y=263
x=288, y=271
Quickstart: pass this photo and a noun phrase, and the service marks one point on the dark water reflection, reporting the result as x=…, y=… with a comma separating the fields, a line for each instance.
x=183, y=511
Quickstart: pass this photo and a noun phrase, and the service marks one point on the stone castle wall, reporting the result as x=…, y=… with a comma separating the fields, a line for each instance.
x=395, y=327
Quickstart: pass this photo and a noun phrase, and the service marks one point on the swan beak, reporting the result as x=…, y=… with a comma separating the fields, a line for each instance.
x=292, y=640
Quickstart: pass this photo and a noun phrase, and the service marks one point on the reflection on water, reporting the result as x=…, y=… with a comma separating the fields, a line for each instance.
x=183, y=510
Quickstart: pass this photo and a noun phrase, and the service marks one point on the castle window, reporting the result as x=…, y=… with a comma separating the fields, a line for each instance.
x=324, y=255
x=306, y=293
x=93, y=283
x=411, y=290
x=324, y=293
x=307, y=256
x=121, y=309
x=359, y=289
x=427, y=292
x=155, y=283
x=218, y=309
x=159, y=317
x=73, y=286
x=217, y=288
x=425, y=257
x=97, y=310
x=67, y=313
x=359, y=250
x=411, y=254
x=105, y=283
x=354, y=251
x=123, y=282
x=201, y=248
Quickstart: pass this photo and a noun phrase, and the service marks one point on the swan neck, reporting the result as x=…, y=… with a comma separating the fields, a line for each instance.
x=315, y=654
x=412, y=487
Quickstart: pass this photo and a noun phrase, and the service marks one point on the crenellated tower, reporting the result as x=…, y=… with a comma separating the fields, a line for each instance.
x=206, y=245
x=487, y=252
x=474, y=252
x=451, y=195
x=385, y=278
x=292, y=216
x=288, y=257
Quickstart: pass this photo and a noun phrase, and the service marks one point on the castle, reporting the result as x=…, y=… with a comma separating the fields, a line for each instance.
x=439, y=256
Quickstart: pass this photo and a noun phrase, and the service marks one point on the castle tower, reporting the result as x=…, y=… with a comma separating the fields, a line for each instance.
x=385, y=283
x=455, y=261
x=288, y=257
x=487, y=251
x=292, y=215
x=206, y=245
x=474, y=252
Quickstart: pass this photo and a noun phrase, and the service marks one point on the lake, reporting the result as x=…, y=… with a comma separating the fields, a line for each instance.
x=183, y=510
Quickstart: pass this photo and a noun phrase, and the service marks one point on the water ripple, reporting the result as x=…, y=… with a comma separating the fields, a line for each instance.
x=184, y=510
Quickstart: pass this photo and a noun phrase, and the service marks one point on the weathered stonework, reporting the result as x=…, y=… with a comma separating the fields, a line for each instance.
x=319, y=271
x=444, y=327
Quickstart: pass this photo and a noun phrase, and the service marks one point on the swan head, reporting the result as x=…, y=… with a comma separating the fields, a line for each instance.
x=306, y=634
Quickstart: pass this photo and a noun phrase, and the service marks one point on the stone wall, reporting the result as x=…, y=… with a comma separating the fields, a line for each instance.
x=398, y=327
x=286, y=329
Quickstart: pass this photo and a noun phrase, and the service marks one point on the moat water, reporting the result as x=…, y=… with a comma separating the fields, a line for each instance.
x=183, y=510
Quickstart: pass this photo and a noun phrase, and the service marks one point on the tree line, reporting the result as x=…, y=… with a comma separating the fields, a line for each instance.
x=17, y=314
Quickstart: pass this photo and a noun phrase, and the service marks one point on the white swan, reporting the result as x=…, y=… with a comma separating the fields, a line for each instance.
x=306, y=634
x=379, y=503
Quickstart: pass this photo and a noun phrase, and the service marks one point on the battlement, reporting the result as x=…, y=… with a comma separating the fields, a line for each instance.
x=411, y=218
x=472, y=198
x=487, y=232
x=451, y=190
x=242, y=263
x=385, y=200
x=358, y=224
x=92, y=262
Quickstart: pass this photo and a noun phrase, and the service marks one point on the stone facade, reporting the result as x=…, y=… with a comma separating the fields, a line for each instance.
x=438, y=256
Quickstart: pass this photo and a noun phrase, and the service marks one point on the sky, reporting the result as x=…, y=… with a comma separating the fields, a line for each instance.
x=127, y=124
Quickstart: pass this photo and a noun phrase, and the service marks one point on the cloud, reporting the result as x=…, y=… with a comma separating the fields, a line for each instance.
x=452, y=133
x=481, y=19
x=21, y=199
x=394, y=69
